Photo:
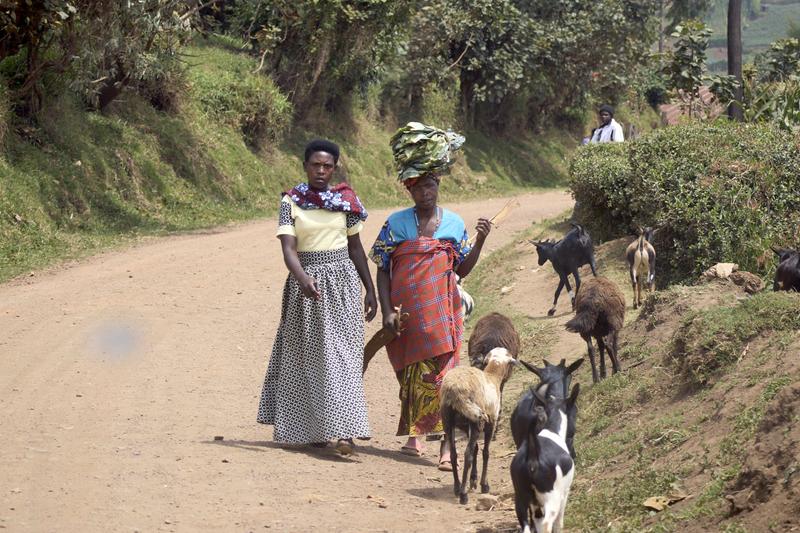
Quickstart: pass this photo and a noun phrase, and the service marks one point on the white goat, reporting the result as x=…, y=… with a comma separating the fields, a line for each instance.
x=641, y=257
x=470, y=401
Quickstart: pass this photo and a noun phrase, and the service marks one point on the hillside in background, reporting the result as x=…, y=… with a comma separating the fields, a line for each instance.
x=772, y=23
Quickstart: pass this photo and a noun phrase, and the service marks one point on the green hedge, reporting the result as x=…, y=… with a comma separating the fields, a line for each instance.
x=720, y=192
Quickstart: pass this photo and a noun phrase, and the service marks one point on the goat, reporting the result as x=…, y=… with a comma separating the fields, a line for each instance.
x=599, y=313
x=641, y=257
x=470, y=401
x=554, y=380
x=493, y=331
x=567, y=256
x=787, y=276
x=467, y=302
x=542, y=469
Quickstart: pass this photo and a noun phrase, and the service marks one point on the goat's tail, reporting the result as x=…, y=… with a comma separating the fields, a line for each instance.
x=641, y=243
x=583, y=321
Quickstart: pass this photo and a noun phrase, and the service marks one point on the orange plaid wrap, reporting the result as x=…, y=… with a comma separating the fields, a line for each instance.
x=424, y=283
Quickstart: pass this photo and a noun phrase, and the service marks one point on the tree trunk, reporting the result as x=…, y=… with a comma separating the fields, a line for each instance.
x=661, y=31
x=735, y=57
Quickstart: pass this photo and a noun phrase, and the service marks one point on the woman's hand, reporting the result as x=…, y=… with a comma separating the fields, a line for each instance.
x=483, y=228
x=370, y=306
x=390, y=321
x=309, y=286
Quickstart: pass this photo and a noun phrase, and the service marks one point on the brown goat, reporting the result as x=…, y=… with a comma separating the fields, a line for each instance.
x=493, y=331
x=641, y=257
x=599, y=313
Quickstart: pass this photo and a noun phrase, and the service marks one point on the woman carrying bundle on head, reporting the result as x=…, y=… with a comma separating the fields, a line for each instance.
x=313, y=390
x=419, y=252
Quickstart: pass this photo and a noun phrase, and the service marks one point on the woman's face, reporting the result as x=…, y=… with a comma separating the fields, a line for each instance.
x=319, y=170
x=425, y=192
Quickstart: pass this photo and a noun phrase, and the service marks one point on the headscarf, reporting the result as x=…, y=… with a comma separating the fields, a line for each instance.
x=419, y=149
x=338, y=198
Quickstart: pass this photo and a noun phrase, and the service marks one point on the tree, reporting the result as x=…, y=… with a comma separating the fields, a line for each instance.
x=735, y=57
x=687, y=61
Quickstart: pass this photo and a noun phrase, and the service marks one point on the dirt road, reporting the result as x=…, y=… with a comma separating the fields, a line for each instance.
x=118, y=372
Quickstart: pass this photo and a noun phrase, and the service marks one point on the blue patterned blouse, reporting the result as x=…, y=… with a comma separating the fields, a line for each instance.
x=402, y=226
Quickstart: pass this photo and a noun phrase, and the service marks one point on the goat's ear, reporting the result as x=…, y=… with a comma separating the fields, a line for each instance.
x=541, y=395
x=573, y=366
x=778, y=251
x=573, y=397
x=531, y=368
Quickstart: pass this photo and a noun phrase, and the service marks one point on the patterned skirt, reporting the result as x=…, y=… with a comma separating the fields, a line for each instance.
x=314, y=391
x=420, y=383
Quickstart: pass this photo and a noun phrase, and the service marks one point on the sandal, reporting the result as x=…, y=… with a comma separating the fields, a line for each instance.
x=345, y=446
x=410, y=450
x=323, y=444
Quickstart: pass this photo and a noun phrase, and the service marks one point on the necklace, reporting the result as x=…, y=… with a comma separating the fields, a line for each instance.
x=438, y=221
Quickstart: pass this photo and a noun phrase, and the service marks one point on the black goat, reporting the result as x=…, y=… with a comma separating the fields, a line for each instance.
x=555, y=381
x=787, y=277
x=567, y=255
x=542, y=469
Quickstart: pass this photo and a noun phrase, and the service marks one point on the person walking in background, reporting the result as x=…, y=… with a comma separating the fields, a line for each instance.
x=419, y=252
x=313, y=390
x=609, y=129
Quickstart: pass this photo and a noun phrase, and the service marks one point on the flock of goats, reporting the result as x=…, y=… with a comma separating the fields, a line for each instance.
x=543, y=421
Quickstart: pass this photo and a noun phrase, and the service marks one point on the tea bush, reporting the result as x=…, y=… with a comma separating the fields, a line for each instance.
x=720, y=192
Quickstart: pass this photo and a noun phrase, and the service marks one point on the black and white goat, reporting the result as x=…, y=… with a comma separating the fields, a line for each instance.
x=542, y=469
x=554, y=380
x=787, y=277
x=567, y=256
x=641, y=257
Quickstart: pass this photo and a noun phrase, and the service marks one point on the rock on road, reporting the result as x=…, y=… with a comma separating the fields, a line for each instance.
x=119, y=371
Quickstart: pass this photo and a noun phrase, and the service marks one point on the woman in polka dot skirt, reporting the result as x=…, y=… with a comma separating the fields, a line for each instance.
x=313, y=391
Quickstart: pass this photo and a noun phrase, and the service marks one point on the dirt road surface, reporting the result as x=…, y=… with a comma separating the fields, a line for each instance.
x=119, y=371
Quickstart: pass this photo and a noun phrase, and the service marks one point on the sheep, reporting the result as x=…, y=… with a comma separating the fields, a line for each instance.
x=787, y=276
x=554, y=380
x=542, y=469
x=567, y=256
x=600, y=313
x=641, y=257
x=470, y=401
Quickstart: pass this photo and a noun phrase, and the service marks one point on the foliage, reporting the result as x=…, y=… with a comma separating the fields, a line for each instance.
x=5, y=110
x=712, y=339
x=599, y=176
x=721, y=192
x=521, y=64
x=682, y=10
x=793, y=31
x=102, y=46
x=686, y=63
x=322, y=51
x=781, y=62
x=227, y=91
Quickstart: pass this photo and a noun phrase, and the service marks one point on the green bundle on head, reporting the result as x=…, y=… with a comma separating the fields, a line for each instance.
x=419, y=149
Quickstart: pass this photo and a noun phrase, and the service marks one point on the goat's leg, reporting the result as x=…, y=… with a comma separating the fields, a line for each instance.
x=488, y=431
x=473, y=473
x=601, y=349
x=593, y=265
x=463, y=498
x=588, y=340
x=448, y=421
x=577, y=286
x=561, y=282
x=612, y=353
x=651, y=280
x=634, y=283
x=522, y=505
